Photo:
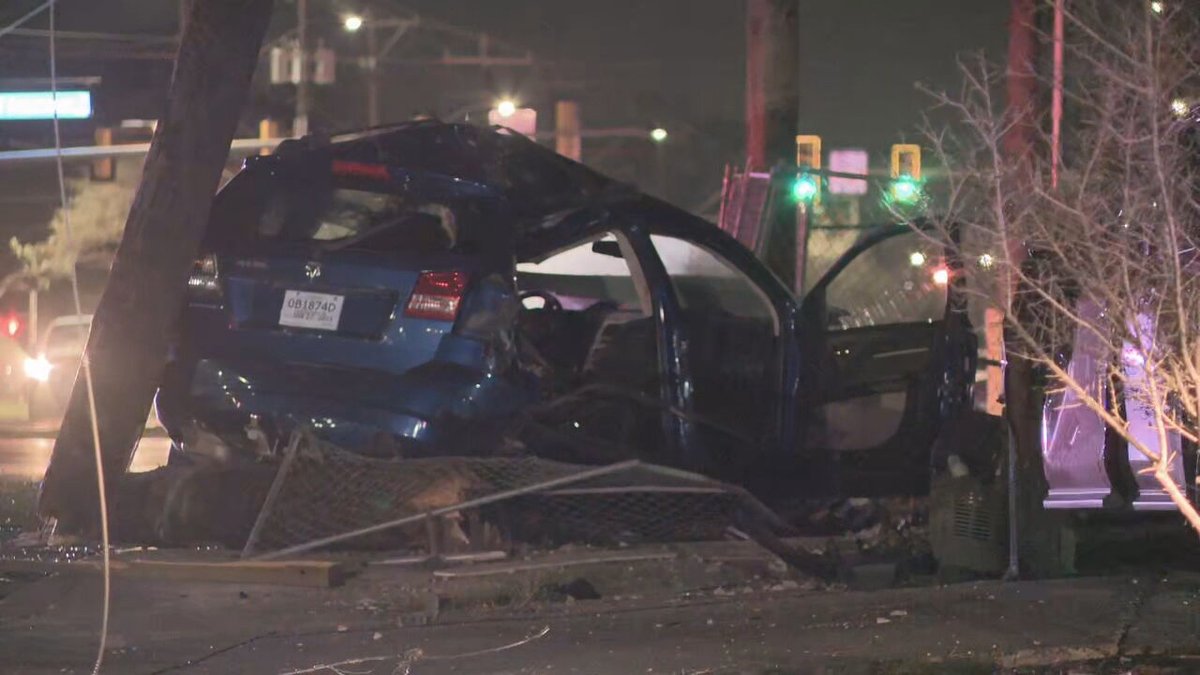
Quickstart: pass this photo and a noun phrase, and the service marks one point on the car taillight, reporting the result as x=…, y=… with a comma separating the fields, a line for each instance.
x=437, y=296
x=204, y=282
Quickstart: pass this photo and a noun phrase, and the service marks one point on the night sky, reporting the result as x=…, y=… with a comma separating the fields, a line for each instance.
x=642, y=63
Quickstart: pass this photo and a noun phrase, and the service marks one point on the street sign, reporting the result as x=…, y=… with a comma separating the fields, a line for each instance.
x=522, y=120
x=848, y=160
x=42, y=105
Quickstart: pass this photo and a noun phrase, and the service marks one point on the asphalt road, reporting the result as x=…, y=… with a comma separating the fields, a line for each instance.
x=27, y=457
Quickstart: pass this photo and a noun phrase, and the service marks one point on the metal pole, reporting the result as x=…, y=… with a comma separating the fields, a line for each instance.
x=372, y=72
x=300, y=123
x=1056, y=103
x=801, y=246
x=264, y=512
x=567, y=139
x=660, y=168
x=33, y=318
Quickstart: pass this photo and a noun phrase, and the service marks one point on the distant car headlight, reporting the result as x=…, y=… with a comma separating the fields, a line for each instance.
x=38, y=369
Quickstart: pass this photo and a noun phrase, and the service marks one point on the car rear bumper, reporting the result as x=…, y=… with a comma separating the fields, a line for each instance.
x=429, y=410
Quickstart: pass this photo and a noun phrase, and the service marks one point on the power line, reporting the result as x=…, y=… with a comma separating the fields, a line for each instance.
x=29, y=15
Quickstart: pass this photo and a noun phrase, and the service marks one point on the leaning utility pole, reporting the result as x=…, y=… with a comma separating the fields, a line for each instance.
x=128, y=342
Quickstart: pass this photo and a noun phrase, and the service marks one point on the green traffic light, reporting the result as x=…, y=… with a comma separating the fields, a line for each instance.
x=805, y=188
x=905, y=190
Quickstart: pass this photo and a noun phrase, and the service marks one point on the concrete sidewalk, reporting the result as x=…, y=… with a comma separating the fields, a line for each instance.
x=677, y=610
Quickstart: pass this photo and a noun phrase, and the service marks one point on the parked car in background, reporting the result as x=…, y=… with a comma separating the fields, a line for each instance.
x=50, y=370
x=408, y=292
x=12, y=368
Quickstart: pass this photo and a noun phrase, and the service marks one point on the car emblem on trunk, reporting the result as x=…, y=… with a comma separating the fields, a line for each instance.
x=312, y=270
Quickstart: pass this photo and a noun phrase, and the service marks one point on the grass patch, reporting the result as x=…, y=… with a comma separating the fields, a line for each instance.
x=18, y=507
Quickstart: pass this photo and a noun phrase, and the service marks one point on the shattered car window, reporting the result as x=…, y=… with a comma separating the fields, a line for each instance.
x=346, y=215
x=899, y=280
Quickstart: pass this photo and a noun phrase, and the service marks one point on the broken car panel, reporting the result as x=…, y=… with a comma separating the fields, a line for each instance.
x=412, y=291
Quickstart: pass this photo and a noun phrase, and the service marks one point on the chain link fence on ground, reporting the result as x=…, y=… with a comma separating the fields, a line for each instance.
x=325, y=497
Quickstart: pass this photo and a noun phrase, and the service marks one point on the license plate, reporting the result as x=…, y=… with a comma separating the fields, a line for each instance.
x=302, y=309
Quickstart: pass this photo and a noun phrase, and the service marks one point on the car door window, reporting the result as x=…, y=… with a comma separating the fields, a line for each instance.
x=587, y=314
x=885, y=310
x=704, y=281
x=902, y=279
x=580, y=276
x=731, y=330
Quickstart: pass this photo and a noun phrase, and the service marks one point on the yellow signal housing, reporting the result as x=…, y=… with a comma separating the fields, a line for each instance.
x=808, y=151
x=906, y=160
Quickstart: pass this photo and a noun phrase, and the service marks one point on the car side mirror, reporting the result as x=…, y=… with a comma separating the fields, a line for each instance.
x=609, y=248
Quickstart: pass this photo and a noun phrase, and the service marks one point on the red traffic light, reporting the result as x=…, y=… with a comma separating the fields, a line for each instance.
x=14, y=325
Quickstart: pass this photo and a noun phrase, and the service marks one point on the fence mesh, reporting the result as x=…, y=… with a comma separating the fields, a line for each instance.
x=327, y=497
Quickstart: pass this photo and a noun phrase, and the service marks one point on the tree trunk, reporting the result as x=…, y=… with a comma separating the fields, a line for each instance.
x=127, y=345
x=1044, y=541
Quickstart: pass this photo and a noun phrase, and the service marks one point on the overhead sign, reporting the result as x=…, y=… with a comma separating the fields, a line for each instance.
x=42, y=105
x=848, y=161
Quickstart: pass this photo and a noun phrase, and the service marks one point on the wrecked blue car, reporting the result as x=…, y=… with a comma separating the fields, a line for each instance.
x=428, y=288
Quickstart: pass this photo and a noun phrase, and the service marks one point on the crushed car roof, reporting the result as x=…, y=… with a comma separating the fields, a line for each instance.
x=468, y=161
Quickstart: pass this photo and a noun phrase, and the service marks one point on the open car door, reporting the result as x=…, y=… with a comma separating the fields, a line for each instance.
x=887, y=353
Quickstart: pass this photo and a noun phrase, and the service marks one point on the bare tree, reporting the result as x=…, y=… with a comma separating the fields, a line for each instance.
x=97, y=216
x=1102, y=260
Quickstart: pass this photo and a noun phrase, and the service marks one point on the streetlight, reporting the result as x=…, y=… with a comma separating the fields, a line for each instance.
x=352, y=23
x=658, y=134
x=506, y=107
x=1157, y=7
x=916, y=259
x=1179, y=108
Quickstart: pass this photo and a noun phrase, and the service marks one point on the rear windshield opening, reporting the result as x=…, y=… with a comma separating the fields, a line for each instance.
x=344, y=218
x=339, y=216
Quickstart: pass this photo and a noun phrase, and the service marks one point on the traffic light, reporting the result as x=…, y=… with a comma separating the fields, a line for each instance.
x=807, y=187
x=905, y=188
x=14, y=325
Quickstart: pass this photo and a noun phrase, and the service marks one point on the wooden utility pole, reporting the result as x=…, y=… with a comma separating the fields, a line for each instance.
x=772, y=117
x=128, y=342
x=772, y=81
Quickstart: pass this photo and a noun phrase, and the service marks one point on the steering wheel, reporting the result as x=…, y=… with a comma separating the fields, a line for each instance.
x=551, y=303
